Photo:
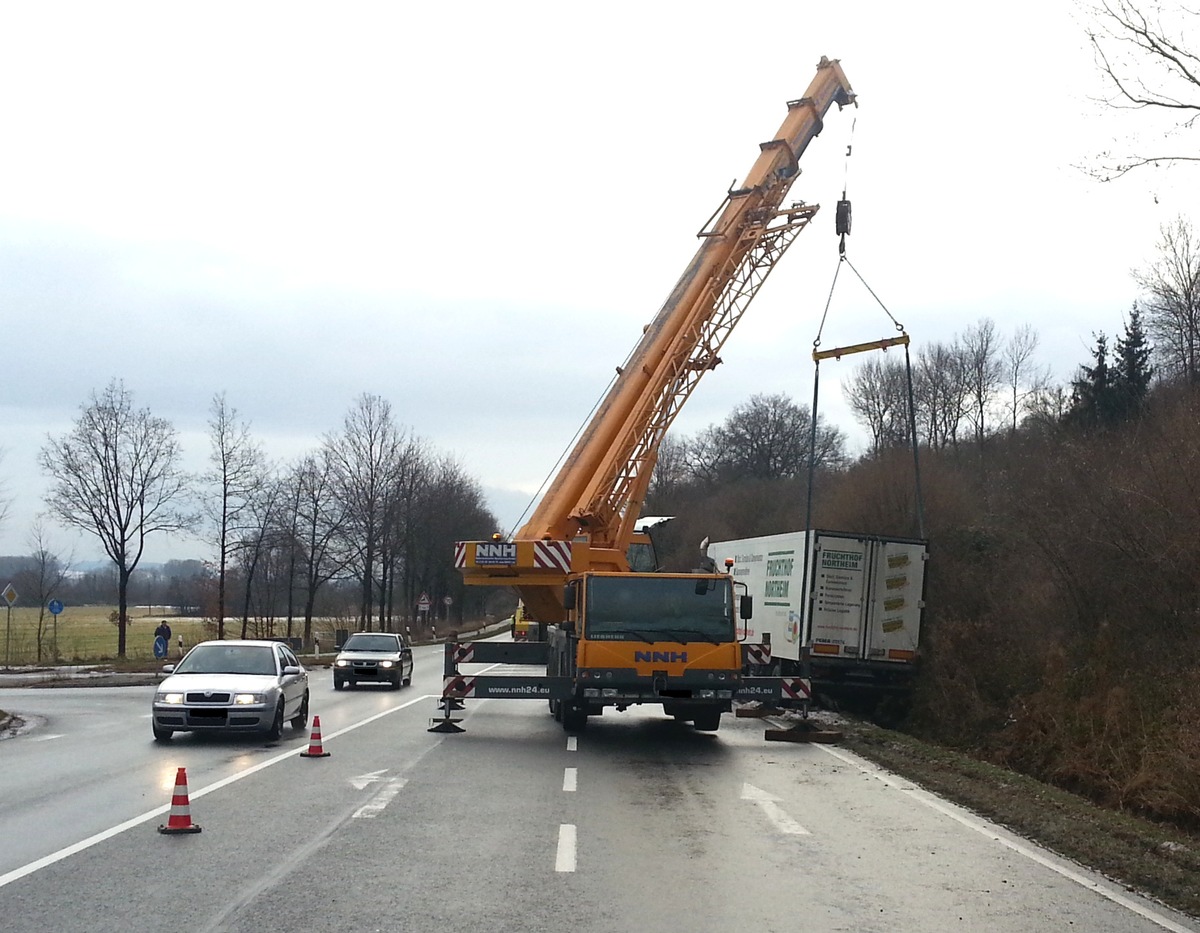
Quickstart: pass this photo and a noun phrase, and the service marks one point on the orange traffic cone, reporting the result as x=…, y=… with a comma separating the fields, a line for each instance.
x=180, y=820
x=314, y=744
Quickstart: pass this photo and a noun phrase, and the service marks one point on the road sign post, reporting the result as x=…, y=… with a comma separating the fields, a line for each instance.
x=10, y=597
x=55, y=606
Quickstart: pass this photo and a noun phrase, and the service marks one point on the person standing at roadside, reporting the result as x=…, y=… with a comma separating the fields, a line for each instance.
x=163, y=631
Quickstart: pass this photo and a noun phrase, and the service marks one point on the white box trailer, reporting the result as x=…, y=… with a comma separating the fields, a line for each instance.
x=865, y=601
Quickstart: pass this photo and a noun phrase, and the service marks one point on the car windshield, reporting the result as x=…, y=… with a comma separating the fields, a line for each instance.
x=371, y=643
x=228, y=659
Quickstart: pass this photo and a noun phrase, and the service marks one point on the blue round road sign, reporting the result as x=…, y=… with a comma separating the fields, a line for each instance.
x=55, y=607
x=160, y=646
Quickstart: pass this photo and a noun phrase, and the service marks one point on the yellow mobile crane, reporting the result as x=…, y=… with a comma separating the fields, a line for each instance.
x=620, y=637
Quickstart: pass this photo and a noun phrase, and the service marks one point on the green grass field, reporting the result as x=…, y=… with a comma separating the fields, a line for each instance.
x=85, y=634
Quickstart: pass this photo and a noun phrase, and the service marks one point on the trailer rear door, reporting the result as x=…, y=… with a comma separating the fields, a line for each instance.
x=897, y=590
x=839, y=594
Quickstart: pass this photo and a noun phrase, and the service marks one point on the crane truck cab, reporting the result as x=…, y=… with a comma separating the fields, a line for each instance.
x=668, y=639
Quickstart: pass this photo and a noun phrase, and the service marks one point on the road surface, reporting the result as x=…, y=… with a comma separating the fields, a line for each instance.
x=638, y=823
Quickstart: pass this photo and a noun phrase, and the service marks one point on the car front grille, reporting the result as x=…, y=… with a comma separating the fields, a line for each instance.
x=207, y=698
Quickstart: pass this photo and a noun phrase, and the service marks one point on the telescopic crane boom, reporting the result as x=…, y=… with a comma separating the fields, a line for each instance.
x=585, y=521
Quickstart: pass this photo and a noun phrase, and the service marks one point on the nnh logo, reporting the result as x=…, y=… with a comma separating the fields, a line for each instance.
x=668, y=657
x=495, y=553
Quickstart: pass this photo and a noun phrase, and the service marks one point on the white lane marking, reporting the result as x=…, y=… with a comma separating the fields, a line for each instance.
x=572, y=743
x=564, y=860
x=570, y=776
x=768, y=803
x=46, y=738
x=375, y=805
x=365, y=780
x=47, y=860
x=986, y=829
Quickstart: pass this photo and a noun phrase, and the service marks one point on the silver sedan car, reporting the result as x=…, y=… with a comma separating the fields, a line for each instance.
x=232, y=686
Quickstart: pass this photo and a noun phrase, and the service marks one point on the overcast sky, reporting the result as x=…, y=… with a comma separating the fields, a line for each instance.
x=471, y=209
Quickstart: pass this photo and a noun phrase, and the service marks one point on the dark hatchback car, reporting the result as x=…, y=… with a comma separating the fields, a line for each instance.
x=373, y=657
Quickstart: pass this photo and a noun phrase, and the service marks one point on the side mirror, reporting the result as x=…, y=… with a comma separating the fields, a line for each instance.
x=168, y=668
x=291, y=670
x=746, y=607
x=567, y=626
x=569, y=596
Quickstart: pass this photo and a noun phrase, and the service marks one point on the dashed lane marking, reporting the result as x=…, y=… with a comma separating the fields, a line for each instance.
x=564, y=860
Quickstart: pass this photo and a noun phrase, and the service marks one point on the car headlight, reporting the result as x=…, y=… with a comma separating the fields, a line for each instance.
x=387, y=663
x=173, y=698
x=342, y=662
x=247, y=699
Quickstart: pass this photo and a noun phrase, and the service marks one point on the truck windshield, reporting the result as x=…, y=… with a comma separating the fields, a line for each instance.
x=667, y=608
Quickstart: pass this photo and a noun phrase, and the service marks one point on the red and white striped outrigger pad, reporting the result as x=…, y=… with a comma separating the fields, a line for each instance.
x=799, y=688
x=464, y=653
x=757, y=654
x=458, y=687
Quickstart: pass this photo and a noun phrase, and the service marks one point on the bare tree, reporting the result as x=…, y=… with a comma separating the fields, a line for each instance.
x=235, y=477
x=769, y=437
x=365, y=457
x=1147, y=66
x=1048, y=406
x=449, y=506
x=260, y=535
x=1171, y=307
x=319, y=524
x=983, y=371
x=670, y=468
x=42, y=578
x=1022, y=380
x=116, y=476
x=940, y=387
x=410, y=474
x=5, y=499
x=877, y=393
x=702, y=454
